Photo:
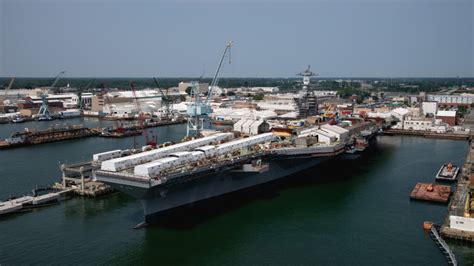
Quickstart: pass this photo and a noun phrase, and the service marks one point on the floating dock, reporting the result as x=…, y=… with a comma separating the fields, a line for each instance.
x=27, y=202
x=430, y=192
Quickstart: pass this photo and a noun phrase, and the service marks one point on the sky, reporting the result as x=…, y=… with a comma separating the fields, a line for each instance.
x=166, y=38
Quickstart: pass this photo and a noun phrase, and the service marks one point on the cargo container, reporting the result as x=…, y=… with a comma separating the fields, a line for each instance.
x=209, y=150
x=155, y=167
x=103, y=156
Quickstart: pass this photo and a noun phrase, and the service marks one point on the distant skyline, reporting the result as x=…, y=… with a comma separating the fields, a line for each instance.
x=343, y=38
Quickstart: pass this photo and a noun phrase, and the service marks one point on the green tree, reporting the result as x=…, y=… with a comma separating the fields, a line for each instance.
x=258, y=97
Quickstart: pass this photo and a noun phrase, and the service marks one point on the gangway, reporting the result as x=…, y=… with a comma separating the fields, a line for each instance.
x=442, y=245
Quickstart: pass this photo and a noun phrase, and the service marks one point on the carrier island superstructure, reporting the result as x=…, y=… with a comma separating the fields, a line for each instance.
x=184, y=173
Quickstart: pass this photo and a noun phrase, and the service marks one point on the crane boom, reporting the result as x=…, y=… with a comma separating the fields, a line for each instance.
x=57, y=78
x=215, y=80
x=9, y=86
x=141, y=118
x=167, y=101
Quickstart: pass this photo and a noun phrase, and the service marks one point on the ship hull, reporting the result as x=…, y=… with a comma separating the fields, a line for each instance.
x=170, y=195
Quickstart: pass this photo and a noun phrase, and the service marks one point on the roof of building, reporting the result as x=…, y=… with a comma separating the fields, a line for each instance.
x=324, y=133
x=446, y=113
x=401, y=111
x=336, y=129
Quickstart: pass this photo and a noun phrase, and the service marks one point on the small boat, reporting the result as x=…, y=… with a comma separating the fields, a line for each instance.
x=447, y=172
x=427, y=225
x=18, y=119
x=45, y=118
x=351, y=150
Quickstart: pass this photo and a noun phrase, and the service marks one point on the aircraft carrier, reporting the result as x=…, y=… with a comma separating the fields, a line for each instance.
x=199, y=169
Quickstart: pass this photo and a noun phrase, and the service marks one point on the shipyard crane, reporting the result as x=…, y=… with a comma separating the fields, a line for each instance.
x=43, y=112
x=9, y=86
x=141, y=118
x=198, y=112
x=166, y=100
x=58, y=77
x=79, y=93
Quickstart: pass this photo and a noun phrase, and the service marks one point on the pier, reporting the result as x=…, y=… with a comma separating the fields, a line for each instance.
x=78, y=178
x=76, y=181
x=427, y=134
x=459, y=222
x=30, y=202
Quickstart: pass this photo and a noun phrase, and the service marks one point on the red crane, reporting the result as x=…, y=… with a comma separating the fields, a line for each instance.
x=141, y=118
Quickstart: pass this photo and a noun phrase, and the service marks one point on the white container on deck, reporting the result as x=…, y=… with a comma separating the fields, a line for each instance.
x=103, y=156
x=155, y=167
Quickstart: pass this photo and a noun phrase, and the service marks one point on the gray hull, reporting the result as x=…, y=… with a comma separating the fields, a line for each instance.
x=172, y=194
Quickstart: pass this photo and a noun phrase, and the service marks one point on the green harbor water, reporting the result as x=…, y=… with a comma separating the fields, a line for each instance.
x=343, y=212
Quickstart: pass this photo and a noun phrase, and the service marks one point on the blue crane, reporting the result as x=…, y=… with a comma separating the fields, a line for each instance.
x=43, y=112
x=199, y=110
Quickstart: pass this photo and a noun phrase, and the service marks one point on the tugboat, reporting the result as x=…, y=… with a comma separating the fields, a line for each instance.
x=45, y=118
x=447, y=172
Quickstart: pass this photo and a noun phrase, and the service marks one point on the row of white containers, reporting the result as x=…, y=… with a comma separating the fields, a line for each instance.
x=180, y=158
x=119, y=164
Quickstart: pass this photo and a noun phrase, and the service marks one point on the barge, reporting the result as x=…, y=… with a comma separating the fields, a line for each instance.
x=34, y=137
x=430, y=192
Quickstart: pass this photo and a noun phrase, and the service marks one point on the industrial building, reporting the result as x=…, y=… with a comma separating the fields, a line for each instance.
x=251, y=127
x=449, y=100
x=448, y=117
x=429, y=108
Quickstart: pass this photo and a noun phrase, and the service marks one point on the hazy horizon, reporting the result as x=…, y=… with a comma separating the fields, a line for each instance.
x=272, y=39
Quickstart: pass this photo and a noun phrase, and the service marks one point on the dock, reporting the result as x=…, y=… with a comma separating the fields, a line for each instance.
x=427, y=134
x=78, y=178
x=28, y=202
x=76, y=181
x=459, y=222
